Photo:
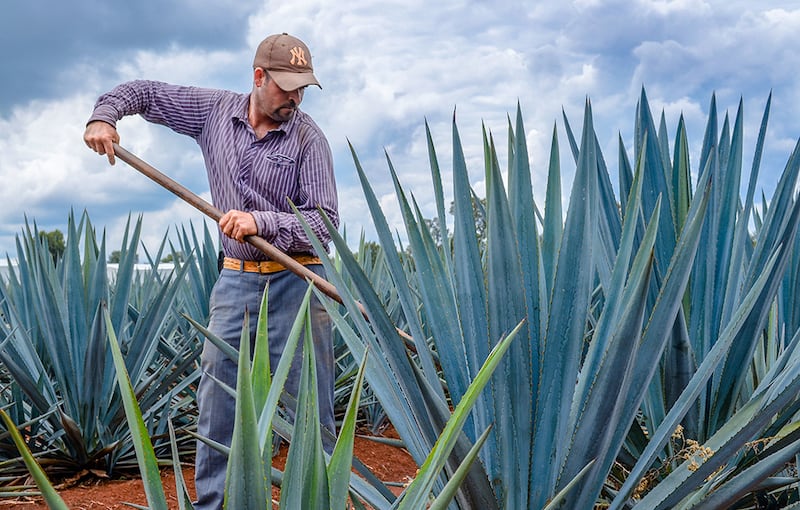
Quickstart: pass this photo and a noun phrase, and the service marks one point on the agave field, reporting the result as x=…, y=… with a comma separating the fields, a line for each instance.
x=635, y=347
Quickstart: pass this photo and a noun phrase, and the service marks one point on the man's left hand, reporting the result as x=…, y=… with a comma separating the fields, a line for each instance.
x=238, y=224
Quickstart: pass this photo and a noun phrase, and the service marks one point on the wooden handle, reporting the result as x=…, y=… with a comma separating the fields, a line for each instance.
x=215, y=214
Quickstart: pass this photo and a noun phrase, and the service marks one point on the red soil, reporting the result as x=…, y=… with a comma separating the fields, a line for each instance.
x=388, y=463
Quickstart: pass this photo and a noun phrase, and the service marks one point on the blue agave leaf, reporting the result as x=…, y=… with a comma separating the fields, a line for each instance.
x=397, y=271
x=655, y=184
x=450, y=490
x=602, y=412
x=437, y=297
x=751, y=479
x=438, y=193
x=625, y=174
x=573, y=145
x=681, y=175
x=730, y=380
x=78, y=311
x=663, y=146
x=416, y=494
x=148, y=465
x=564, y=336
x=410, y=417
x=142, y=348
x=613, y=300
x=470, y=294
x=118, y=305
x=727, y=210
x=507, y=307
x=710, y=138
x=697, y=384
x=520, y=199
x=753, y=417
x=342, y=457
x=245, y=472
x=49, y=494
x=305, y=483
x=662, y=317
x=554, y=223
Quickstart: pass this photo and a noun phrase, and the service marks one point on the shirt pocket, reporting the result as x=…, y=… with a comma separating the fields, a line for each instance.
x=275, y=178
x=280, y=160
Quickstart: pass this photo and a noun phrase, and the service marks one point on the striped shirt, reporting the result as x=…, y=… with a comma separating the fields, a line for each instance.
x=260, y=176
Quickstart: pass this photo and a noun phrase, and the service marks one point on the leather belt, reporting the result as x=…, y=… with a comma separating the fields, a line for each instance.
x=266, y=266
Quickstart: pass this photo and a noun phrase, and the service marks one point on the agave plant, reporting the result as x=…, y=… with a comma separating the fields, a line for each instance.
x=370, y=257
x=54, y=351
x=730, y=375
x=48, y=493
x=311, y=480
x=658, y=308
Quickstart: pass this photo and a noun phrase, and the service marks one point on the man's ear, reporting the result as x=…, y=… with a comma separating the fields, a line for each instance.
x=259, y=77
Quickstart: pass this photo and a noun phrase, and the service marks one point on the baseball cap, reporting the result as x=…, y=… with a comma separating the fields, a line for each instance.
x=288, y=61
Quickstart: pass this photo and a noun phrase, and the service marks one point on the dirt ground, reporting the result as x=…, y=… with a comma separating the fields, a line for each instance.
x=389, y=463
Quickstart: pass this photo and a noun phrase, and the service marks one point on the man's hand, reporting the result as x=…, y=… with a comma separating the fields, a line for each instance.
x=238, y=224
x=100, y=137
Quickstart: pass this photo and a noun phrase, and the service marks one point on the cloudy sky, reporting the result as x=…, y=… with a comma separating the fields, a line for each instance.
x=386, y=67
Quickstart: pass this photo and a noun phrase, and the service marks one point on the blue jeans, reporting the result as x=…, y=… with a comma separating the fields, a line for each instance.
x=232, y=293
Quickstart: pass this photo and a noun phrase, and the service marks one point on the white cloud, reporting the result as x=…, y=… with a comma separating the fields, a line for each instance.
x=586, y=79
x=666, y=7
x=386, y=67
x=383, y=77
x=47, y=171
x=183, y=66
x=42, y=156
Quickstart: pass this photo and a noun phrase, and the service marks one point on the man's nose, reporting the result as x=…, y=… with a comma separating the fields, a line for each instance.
x=294, y=95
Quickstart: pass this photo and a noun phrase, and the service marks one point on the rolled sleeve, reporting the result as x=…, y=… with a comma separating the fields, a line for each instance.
x=105, y=113
x=182, y=109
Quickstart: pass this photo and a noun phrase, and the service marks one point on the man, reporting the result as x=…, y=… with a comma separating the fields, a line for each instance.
x=261, y=152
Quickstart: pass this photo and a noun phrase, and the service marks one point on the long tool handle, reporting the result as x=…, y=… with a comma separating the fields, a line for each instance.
x=215, y=214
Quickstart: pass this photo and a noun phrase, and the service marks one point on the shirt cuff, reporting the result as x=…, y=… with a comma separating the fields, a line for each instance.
x=266, y=224
x=105, y=113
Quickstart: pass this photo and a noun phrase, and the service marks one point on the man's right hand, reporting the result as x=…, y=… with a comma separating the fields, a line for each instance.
x=100, y=137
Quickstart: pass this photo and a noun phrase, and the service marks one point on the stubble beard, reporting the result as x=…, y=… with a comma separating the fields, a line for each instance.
x=278, y=114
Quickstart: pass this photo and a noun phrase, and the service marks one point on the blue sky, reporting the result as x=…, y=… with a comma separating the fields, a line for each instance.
x=386, y=67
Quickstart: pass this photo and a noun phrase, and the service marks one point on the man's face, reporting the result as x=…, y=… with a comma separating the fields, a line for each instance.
x=279, y=104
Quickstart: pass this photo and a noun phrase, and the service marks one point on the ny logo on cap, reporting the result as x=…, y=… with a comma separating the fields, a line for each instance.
x=298, y=56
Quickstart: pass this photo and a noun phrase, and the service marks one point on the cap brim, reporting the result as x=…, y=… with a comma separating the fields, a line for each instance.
x=289, y=81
